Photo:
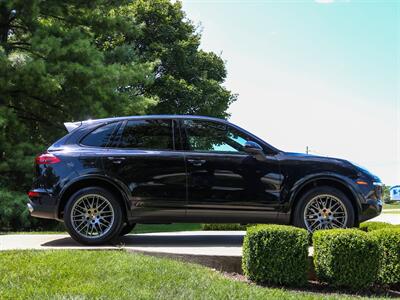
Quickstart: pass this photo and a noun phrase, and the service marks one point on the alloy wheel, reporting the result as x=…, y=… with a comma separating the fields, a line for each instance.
x=325, y=212
x=92, y=216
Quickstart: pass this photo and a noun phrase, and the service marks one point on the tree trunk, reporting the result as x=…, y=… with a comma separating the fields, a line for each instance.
x=5, y=14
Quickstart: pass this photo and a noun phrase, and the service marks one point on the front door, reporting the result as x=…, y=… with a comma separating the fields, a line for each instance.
x=145, y=159
x=225, y=184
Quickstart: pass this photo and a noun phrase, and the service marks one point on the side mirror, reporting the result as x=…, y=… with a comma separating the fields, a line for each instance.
x=253, y=148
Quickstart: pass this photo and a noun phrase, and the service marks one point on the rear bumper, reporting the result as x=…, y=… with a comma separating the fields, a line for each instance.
x=44, y=206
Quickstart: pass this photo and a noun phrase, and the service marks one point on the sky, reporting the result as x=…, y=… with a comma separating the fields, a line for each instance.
x=323, y=74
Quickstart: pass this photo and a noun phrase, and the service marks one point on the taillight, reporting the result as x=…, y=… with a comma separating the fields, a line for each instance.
x=47, y=158
x=32, y=194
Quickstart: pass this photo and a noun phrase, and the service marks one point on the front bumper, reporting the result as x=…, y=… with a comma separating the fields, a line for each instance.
x=371, y=195
x=371, y=209
x=43, y=206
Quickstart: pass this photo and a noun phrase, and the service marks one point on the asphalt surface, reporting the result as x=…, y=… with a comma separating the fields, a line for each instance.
x=218, y=243
x=206, y=243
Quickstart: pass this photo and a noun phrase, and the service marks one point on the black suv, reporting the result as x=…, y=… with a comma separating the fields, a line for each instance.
x=106, y=175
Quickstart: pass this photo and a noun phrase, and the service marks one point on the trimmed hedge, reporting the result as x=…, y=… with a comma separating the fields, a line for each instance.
x=14, y=215
x=371, y=226
x=346, y=257
x=276, y=254
x=224, y=226
x=389, y=250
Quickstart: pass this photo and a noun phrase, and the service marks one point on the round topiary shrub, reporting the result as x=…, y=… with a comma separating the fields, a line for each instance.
x=346, y=257
x=371, y=226
x=276, y=254
x=389, y=250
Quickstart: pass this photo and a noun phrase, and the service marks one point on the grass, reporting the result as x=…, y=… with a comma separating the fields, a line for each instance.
x=395, y=205
x=147, y=228
x=66, y=274
x=396, y=212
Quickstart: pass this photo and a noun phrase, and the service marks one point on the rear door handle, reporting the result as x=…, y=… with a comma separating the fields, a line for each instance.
x=196, y=162
x=116, y=160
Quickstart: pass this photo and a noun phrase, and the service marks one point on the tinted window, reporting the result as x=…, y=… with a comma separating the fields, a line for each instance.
x=100, y=136
x=212, y=136
x=148, y=134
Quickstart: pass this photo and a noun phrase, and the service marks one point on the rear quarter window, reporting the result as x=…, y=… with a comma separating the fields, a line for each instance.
x=99, y=137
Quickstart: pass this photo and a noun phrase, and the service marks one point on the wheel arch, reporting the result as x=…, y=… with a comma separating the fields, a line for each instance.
x=93, y=181
x=324, y=180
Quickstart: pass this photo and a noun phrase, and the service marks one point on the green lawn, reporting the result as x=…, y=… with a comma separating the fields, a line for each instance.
x=391, y=205
x=146, y=228
x=67, y=274
x=396, y=212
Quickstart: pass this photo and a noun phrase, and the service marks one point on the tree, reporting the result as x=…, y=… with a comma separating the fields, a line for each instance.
x=52, y=70
x=72, y=60
x=188, y=80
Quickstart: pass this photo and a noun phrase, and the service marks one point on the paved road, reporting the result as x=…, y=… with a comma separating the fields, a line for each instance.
x=191, y=242
x=387, y=217
x=212, y=243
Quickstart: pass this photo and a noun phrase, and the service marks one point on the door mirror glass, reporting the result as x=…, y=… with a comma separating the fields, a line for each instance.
x=252, y=147
x=255, y=150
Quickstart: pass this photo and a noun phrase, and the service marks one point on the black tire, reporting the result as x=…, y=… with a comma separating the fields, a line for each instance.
x=113, y=229
x=127, y=229
x=298, y=217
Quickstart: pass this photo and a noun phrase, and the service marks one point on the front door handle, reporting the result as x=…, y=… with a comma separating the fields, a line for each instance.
x=196, y=162
x=116, y=160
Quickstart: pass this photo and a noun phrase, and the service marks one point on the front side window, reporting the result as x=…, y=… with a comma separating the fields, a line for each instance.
x=100, y=136
x=148, y=135
x=213, y=137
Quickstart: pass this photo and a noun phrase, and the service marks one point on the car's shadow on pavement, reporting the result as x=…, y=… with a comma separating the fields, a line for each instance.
x=162, y=240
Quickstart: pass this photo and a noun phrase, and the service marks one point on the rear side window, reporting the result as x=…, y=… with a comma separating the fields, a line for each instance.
x=148, y=135
x=99, y=137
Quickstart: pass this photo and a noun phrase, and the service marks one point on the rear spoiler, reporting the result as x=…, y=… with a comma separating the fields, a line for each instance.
x=72, y=125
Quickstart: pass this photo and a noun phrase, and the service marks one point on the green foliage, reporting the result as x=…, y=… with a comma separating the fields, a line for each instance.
x=13, y=210
x=371, y=226
x=346, y=257
x=389, y=250
x=188, y=80
x=52, y=70
x=148, y=228
x=276, y=254
x=15, y=216
x=228, y=226
x=386, y=194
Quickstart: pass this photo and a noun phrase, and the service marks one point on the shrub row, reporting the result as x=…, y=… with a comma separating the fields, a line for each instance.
x=345, y=257
x=389, y=253
x=371, y=226
x=14, y=215
x=349, y=258
x=276, y=254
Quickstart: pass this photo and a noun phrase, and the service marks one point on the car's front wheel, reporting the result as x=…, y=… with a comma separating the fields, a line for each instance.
x=324, y=208
x=93, y=216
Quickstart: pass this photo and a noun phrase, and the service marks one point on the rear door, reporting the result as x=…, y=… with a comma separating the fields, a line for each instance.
x=145, y=157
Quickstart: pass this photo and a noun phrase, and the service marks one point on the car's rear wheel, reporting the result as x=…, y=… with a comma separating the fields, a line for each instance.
x=93, y=216
x=324, y=208
x=127, y=229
